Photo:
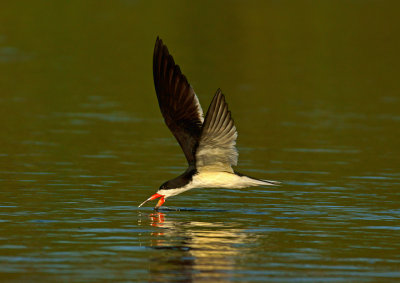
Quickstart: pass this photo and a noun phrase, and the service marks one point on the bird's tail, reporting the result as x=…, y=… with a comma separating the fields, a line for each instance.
x=262, y=182
x=258, y=182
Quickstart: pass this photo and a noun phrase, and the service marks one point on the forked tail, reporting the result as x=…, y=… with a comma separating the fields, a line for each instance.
x=259, y=182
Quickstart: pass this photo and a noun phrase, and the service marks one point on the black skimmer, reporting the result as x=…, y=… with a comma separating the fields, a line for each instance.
x=208, y=143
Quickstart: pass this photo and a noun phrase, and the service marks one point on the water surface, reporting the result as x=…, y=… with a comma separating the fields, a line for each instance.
x=314, y=91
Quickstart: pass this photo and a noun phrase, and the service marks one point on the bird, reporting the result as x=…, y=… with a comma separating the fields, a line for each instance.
x=208, y=142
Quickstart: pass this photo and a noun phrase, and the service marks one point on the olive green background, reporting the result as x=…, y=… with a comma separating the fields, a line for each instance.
x=313, y=87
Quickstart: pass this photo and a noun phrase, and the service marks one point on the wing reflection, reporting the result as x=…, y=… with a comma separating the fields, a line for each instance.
x=191, y=250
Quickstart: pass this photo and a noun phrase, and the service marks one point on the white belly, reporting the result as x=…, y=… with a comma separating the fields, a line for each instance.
x=214, y=180
x=220, y=180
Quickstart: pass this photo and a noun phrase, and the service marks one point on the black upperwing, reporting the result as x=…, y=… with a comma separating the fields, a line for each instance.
x=178, y=102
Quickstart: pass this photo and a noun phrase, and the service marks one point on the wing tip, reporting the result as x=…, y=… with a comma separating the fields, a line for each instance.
x=219, y=97
x=157, y=45
x=218, y=92
x=159, y=41
x=160, y=47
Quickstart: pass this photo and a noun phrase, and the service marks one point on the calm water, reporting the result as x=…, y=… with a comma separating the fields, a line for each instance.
x=313, y=88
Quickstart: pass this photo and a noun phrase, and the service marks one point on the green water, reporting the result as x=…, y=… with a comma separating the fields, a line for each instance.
x=313, y=87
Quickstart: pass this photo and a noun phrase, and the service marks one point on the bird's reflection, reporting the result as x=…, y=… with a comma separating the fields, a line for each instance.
x=157, y=219
x=191, y=250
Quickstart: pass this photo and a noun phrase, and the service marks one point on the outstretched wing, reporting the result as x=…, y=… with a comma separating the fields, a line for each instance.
x=216, y=150
x=178, y=103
